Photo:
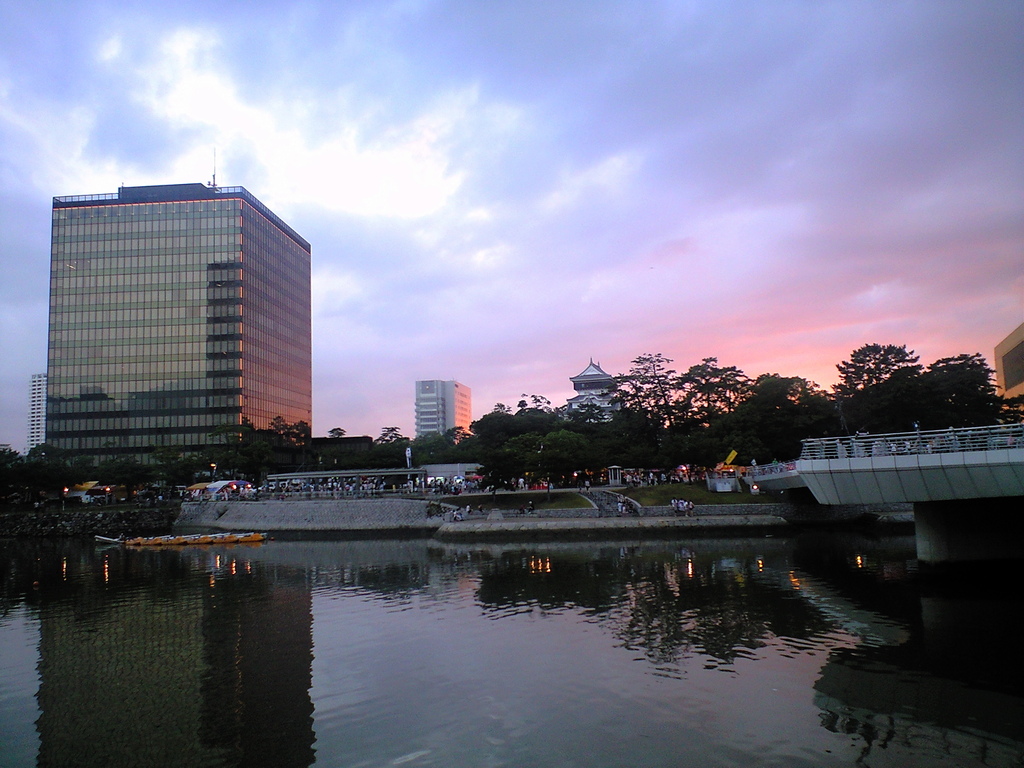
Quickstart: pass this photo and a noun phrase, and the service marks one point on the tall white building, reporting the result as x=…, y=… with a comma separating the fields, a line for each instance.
x=37, y=411
x=442, y=405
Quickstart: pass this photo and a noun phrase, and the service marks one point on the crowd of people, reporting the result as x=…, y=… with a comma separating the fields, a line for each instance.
x=682, y=507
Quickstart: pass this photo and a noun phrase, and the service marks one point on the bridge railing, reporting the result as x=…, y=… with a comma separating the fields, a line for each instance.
x=966, y=439
x=775, y=468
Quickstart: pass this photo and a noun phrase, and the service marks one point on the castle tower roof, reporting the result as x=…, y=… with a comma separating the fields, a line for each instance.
x=591, y=372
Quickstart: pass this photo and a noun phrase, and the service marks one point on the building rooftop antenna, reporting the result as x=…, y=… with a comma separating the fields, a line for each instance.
x=213, y=183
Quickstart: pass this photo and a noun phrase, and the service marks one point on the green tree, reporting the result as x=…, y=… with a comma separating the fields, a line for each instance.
x=585, y=417
x=501, y=466
x=390, y=435
x=10, y=473
x=248, y=461
x=254, y=459
x=961, y=393
x=433, y=448
x=523, y=456
x=501, y=425
x=560, y=454
x=650, y=389
x=127, y=471
x=48, y=470
x=880, y=389
x=873, y=364
x=495, y=428
x=632, y=440
x=538, y=402
x=175, y=466
x=708, y=391
x=537, y=416
x=299, y=433
x=770, y=424
x=280, y=427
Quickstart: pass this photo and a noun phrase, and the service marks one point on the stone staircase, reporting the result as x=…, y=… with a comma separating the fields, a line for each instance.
x=607, y=502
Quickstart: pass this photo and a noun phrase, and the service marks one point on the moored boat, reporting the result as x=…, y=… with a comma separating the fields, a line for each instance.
x=249, y=537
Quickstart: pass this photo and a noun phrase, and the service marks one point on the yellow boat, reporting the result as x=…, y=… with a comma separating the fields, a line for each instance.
x=250, y=537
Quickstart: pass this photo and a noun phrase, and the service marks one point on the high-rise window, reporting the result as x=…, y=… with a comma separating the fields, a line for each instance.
x=442, y=405
x=174, y=310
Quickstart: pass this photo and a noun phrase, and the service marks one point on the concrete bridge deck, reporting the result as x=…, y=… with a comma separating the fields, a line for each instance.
x=938, y=465
x=966, y=485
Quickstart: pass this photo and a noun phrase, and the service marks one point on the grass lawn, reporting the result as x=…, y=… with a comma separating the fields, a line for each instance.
x=661, y=495
x=559, y=500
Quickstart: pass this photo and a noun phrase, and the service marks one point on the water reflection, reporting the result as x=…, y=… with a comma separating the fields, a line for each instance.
x=954, y=662
x=823, y=650
x=166, y=658
x=711, y=601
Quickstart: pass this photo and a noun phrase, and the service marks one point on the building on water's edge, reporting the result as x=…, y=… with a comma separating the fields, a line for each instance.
x=174, y=310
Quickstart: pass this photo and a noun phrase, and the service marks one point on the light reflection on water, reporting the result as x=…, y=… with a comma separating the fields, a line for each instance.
x=817, y=651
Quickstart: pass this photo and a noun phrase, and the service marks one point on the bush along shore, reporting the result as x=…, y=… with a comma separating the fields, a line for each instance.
x=55, y=523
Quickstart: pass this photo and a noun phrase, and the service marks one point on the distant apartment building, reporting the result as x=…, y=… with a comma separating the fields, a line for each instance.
x=176, y=312
x=593, y=387
x=442, y=405
x=37, y=411
x=1010, y=364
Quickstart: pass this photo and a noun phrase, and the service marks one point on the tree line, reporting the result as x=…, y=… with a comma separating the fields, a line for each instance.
x=663, y=418
x=666, y=418
x=235, y=451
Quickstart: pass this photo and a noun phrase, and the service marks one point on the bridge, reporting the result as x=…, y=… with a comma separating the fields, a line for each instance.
x=938, y=465
x=935, y=465
x=942, y=472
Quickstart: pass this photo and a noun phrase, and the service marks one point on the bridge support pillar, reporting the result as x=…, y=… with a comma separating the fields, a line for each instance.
x=969, y=531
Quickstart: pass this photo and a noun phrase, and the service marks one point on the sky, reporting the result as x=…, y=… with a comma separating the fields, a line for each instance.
x=498, y=193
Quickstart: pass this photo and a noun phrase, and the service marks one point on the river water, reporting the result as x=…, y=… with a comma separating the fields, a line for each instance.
x=824, y=649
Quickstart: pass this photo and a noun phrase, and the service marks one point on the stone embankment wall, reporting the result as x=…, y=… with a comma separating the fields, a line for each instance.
x=412, y=515
x=403, y=517
x=396, y=515
x=53, y=523
x=794, y=513
x=579, y=513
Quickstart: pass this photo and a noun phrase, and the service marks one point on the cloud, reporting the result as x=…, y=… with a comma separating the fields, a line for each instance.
x=609, y=176
x=402, y=172
x=497, y=192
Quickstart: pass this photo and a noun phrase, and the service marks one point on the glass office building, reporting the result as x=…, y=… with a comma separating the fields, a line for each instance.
x=174, y=310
